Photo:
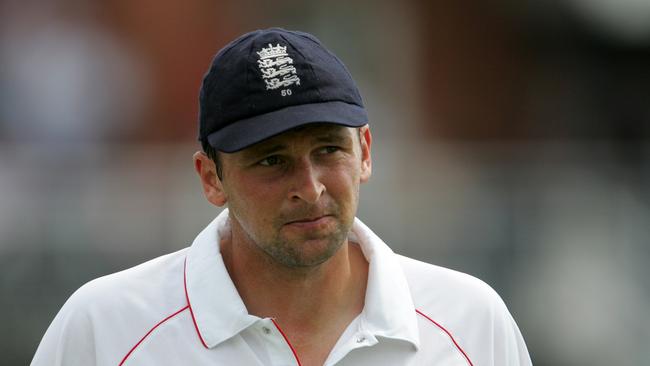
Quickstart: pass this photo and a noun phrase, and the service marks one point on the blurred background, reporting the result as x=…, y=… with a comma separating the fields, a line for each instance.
x=511, y=142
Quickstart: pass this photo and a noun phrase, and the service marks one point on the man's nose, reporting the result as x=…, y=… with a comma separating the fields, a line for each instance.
x=306, y=182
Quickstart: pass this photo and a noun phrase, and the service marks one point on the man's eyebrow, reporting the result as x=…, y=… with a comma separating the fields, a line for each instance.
x=333, y=137
x=264, y=150
x=267, y=149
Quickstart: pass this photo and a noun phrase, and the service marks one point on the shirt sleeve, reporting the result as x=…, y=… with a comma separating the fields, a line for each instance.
x=69, y=340
x=509, y=346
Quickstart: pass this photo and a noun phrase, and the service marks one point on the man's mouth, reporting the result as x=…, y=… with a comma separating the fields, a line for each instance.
x=310, y=222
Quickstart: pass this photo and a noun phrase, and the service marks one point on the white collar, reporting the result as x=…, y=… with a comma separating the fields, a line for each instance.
x=219, y=312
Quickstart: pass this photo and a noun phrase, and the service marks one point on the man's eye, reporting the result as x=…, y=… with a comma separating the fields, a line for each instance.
x=271, y=160
x=330, y=149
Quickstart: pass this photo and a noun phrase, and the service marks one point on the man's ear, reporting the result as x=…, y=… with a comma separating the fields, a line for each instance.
x=366, y=158
x=207, y=171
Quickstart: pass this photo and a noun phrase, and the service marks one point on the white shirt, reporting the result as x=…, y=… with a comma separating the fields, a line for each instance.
x=183, y=309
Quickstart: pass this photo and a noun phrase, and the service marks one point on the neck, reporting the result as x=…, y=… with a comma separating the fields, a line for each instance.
x=305, y=300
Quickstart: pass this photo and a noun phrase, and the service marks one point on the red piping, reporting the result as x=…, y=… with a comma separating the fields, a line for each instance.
x=289, y=343
x=190, y=305
x=149, y=332
x=449, y=334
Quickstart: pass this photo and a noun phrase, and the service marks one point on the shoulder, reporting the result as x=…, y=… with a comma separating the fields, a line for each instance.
x=437, y=286
x=106, y=315
x=468, y=309
x=157, y=281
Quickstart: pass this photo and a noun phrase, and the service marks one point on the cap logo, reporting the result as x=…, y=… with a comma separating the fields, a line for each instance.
x=277, y=68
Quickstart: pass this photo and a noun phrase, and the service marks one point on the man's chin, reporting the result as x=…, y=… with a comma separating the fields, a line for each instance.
x=308, y=252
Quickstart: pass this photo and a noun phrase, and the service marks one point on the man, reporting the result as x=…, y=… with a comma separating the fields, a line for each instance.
x=286, y=275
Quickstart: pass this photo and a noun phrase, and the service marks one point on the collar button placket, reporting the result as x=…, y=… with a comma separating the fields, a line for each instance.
x=279, y=349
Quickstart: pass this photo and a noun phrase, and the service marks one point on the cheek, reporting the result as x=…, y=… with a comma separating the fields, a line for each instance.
x=345, y=188
x=253, y=202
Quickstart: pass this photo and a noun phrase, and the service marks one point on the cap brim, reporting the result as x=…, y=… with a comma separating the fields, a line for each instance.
x=243, y=133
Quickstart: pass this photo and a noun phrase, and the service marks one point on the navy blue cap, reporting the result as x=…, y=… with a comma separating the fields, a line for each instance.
x=269, y=81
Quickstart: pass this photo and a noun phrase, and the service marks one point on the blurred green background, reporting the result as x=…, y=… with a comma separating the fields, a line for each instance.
x=512, y=142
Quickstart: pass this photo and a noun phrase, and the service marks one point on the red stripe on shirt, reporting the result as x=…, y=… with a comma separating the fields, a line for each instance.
x=287, y=340
x=449, y=334
x=149, y=332
x=189, y=305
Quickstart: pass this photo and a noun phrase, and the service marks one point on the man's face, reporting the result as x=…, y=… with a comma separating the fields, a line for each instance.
x=295, y=196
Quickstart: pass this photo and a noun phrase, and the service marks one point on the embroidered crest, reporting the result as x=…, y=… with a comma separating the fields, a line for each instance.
x=277, y=68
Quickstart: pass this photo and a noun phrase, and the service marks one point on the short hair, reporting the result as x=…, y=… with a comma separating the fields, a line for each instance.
x=213, y=154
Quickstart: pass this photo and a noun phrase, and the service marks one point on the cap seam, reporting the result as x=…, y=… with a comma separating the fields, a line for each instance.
x=316, y=42
x=308, y=64
x=208, y=83
x=248, y=74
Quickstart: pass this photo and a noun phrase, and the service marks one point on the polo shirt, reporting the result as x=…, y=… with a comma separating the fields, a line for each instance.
x=183, y=309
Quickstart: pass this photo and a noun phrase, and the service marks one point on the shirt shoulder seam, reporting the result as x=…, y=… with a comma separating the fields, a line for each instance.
x=150, y=331
x=451, y=337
